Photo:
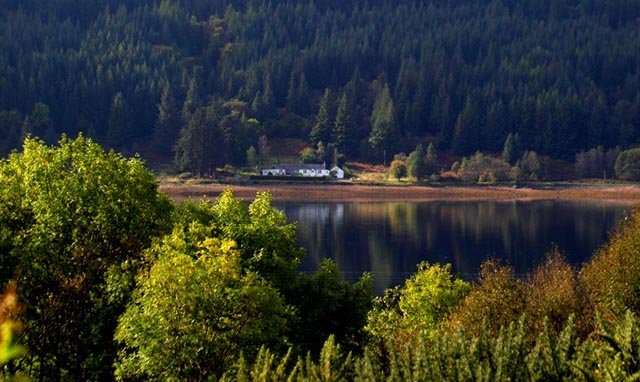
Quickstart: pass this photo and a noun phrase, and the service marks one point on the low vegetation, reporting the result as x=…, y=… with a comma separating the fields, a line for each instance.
x=119, y=283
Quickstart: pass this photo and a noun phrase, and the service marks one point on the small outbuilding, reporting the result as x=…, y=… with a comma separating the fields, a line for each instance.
x=337, y=172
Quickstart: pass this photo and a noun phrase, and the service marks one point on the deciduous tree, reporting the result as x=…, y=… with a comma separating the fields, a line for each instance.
x=73, y=223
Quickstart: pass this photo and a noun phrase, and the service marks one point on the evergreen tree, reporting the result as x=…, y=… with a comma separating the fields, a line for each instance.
x=120, y=124
x=321, y=130
x=383, y=123
x=168, y=124
x=343, y=126
x=252, y=157
x=468, y=124
x=431, y=160
x=40, y=122
x=191, y=102
x=264, y=149
x=198, y=147
x=512, y=149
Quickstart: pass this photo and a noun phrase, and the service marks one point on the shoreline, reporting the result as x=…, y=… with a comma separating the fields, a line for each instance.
x=383, y=193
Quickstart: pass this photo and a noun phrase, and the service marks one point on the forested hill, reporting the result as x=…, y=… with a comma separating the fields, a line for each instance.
x=209, y=77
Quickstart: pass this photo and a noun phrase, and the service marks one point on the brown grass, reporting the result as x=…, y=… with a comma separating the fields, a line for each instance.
x=339, y=192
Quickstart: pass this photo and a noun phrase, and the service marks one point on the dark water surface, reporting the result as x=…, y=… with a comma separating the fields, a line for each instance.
x=389, y=239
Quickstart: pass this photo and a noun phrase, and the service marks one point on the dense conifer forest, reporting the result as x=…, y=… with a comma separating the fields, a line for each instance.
x=196, y=83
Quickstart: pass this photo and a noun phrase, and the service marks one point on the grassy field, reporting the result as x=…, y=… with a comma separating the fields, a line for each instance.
x=345, y=191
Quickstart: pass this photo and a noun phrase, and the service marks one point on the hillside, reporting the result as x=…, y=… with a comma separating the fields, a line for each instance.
x=196, y=83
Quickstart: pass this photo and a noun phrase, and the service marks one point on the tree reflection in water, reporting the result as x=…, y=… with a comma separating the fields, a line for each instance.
x=389, y=239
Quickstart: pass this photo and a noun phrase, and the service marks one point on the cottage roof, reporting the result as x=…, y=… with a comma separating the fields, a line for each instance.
x=292, y=167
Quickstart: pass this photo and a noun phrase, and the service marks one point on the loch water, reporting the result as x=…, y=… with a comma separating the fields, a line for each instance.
x=390, y=239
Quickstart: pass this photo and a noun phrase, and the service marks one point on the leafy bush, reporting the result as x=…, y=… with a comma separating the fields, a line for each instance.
x=428, y=296
x=551, y=292
x=328, y=306
x=483, y=168
x=196, y=310
x=611, y=279
x=496, y=300
x=404, y=315
x=398, y=169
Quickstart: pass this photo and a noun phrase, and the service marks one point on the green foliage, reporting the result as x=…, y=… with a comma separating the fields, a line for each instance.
x=265, y=368
x=267, y=244
x=398, y=169
x=332, y=366
x=71, y=216
x=416, y=163
x=343, y=129
x=168, y=123
x=431, y=160
x=429, y=295
x=322, y=128
x=611, y=279
x=403, y=316
x=328, y=306
x=483, y=168
x=196, y=310
x=556, y=356
x=619, y=353
x=194, y=149
x=383, y=122
x=469, y=94
x=628, y=165
x=120, y=123
x=512, y=148
x=529, y=165
x=308, y=156
x=252, y=157
x=596, y=163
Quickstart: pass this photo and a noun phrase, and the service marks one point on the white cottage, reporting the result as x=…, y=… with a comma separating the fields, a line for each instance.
x=304, y=170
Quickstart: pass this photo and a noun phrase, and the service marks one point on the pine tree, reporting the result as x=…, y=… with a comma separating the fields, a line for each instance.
x=119, y=124
x=40, y=121
x=383, y=123
x=197, y=149
x=252, y=157
x=431, y=160
x=191, y=102
x=322, y=128
x=512, y=149
x=343, y=127
x=168, y=123
x=467, y=126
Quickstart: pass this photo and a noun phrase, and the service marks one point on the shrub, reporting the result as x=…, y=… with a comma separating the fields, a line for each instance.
x=403, y=315
x=429, y=295
x=480, y=167
x=551, y=292
x=496, y=299
x=398, y=169
x=611, y=279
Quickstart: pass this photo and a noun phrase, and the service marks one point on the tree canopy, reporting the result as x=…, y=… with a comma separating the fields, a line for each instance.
x=74, y=220
x=462, y=74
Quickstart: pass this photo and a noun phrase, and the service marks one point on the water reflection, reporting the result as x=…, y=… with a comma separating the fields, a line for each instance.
x=389, y=239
